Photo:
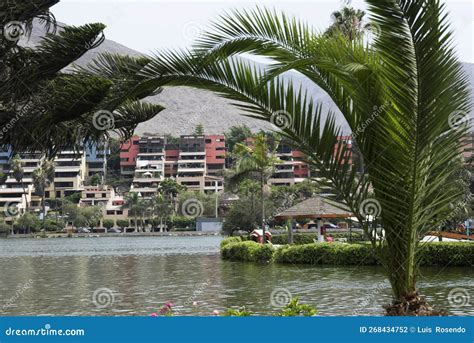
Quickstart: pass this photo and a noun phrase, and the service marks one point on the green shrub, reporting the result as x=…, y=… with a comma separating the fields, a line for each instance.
x=182, y=223
x=431, y=254
x=52, y=225
x=241, y=312
x=108, y=223
x=248, y=251
x=327, y=253
x=4, y=229
x=228, y=240
x=460, y=254
x=308, y=238
x=122, y=223
x=453, y=254
x=295, y=309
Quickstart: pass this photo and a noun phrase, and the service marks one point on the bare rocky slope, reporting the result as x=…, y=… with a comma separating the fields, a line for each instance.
x=186, y=107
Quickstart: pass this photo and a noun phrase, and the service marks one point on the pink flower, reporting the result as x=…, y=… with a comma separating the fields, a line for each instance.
x=195, y=303
x=216, y=312
x=154, y=314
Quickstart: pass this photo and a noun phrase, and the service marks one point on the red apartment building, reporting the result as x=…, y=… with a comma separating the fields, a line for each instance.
x=215, y=154
x=171, y=160
x=347, y=141
x=128, y=156
x=196, y=162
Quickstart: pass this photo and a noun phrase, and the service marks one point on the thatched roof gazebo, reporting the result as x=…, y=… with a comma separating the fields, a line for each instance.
x=314, y=208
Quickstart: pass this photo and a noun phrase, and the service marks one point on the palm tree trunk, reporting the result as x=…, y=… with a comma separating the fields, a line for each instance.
x=289, y=223
x=402, y=272
x=24, y=194
x=44, y=209
x=262, y=200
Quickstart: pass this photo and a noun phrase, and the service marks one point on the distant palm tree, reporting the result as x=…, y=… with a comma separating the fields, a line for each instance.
x=349, y=22
x=256, y=159
x=404, y=96
x=160, y=206
x=18, y=174
x=134, y=204
x=42, y=178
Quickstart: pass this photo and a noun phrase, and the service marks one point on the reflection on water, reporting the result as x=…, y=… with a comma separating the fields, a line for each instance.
x=137, y=275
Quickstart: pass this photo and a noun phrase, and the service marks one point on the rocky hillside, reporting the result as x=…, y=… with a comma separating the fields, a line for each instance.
x=187, y=107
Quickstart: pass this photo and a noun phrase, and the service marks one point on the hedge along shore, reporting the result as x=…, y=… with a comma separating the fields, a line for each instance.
x=452, y=254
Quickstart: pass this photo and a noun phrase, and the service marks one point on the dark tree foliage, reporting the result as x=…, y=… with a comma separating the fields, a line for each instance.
x=42, y=107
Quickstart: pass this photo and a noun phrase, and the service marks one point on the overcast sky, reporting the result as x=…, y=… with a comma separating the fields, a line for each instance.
x=150, y=25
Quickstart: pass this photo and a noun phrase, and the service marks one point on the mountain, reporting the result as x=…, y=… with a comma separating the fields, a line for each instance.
x=186, y=107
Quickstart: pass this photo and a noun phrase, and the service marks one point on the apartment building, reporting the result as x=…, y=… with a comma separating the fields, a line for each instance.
x=192, y=162
x=215, y=154
x=128, y=156
x=69, y=174
x=347, y=143
x=5, y=155
x=16, y=190
x=171, y=160
x=150, y=166
x=96, y=158
x=292, y=168
x=113, y=206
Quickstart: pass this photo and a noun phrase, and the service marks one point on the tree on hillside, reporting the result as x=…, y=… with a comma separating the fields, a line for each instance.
x=236, y=134
x=58, y=109
x=199, y=130
x=43, y=176
x=257, y=160
x=405, y=95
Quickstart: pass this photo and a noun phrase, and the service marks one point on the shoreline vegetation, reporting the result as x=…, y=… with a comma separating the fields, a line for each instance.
x=101, y=234
x=441, y=254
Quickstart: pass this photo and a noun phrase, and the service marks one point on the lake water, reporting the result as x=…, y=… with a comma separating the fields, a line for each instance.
x=137, y=275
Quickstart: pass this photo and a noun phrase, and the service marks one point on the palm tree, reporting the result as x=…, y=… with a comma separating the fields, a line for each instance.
x=133, y=202
x=404, y=96
x=42, y=178
x=18, y=174
x=348, y=22
x=257, y=159
x=171, y=189
x=160, y=205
